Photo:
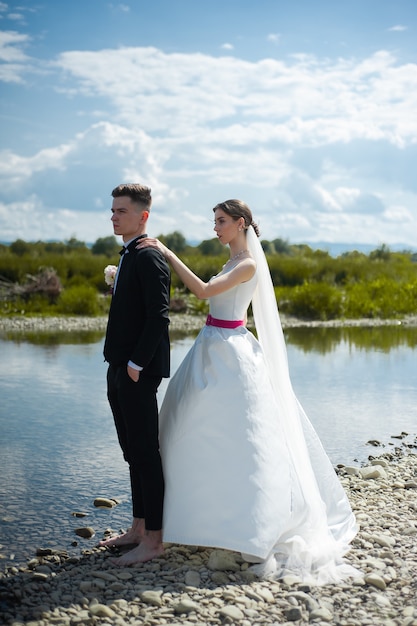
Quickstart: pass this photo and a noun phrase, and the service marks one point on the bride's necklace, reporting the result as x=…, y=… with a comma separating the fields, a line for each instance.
x=233, y=258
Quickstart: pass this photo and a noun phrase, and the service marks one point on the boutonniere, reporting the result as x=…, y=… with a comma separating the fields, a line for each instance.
x=110, y=275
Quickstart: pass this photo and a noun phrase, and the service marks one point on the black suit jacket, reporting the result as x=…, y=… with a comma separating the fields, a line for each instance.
x=137, y=327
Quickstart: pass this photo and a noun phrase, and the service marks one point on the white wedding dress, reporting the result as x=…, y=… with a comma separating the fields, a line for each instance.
x=231, y=478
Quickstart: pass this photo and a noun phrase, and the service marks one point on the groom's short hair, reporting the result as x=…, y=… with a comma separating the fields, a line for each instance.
x=136, y=192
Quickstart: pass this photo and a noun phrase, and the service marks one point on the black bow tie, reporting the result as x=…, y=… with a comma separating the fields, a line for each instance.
x=126, y=248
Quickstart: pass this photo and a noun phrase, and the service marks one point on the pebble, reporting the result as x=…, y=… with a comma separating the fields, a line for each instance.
x=192, y=586
x=220, y=560
x=375, y=580
x=86, y=532
x=186, y=605
x=233, y=612
x=104, y=503
x=151, y=597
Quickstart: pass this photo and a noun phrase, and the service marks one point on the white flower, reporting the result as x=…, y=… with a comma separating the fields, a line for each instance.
x=110, y=274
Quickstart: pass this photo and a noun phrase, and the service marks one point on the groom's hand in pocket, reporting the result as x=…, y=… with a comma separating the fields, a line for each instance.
x=133, y=374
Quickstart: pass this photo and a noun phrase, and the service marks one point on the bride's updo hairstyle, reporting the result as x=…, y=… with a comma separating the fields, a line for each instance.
x=237, y=209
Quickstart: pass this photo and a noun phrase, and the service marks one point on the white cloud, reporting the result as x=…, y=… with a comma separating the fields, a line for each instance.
x=15, y=169
x=199, y=129
x=32, y=221
x=17, y=17
x=124, y=8
x=398, y=214
x=13, y=60
x=274, y=38
x=311, y=101
x=347, y=195
x=398, y=28
x=10, y=52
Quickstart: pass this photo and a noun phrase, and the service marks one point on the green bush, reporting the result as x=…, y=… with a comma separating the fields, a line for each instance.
x=314, y=301
x=78, y=300
x=291, y=271
x=204, y=266
x=35, y=305
x=382, y=298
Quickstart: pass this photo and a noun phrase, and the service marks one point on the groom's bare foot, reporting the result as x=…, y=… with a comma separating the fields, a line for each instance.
x=128, y=538
x=133, y=536
x=150, y=548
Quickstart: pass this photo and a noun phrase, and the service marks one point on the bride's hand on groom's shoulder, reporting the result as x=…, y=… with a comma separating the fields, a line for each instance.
x=149, y=242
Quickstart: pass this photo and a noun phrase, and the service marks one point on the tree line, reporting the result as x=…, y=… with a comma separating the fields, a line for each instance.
x=68, y=278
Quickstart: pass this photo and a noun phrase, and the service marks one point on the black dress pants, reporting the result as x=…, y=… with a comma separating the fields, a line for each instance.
x=135, y=411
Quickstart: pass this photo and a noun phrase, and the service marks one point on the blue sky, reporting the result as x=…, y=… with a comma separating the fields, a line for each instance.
x=305, y=109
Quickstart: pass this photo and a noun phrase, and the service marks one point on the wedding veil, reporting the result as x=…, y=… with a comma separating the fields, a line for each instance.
x=322, y=523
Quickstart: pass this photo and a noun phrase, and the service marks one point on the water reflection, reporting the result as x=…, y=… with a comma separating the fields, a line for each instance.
x=54, y=338
x=321, y=339
x=356, y=384
x=324, y=339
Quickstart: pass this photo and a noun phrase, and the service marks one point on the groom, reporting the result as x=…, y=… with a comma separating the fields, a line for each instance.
x=138, y=353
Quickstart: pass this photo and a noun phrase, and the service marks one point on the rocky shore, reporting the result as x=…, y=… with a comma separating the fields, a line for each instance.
x=196, y=586
x=74, y=324
x=181, y=322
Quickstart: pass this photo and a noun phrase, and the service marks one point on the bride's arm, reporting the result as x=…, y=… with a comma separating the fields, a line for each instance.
x=202, y=290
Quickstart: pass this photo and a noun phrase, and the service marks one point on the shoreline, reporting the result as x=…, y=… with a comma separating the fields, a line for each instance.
x=191, y=585
x=180, y=322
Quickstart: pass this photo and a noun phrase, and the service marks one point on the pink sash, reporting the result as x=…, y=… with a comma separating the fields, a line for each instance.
x=212, y=321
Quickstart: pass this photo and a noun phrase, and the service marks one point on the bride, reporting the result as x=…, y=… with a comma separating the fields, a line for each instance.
x=244, y=468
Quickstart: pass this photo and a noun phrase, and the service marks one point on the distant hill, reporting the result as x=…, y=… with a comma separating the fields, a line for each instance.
x=336, y=249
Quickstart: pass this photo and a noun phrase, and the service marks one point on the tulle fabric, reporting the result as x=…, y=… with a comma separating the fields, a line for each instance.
x=319, y=533
x=244, y=467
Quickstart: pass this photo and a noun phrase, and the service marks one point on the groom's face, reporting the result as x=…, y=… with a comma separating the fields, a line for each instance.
x=128, y=218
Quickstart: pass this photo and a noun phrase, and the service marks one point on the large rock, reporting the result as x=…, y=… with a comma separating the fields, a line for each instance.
x=222, y=561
